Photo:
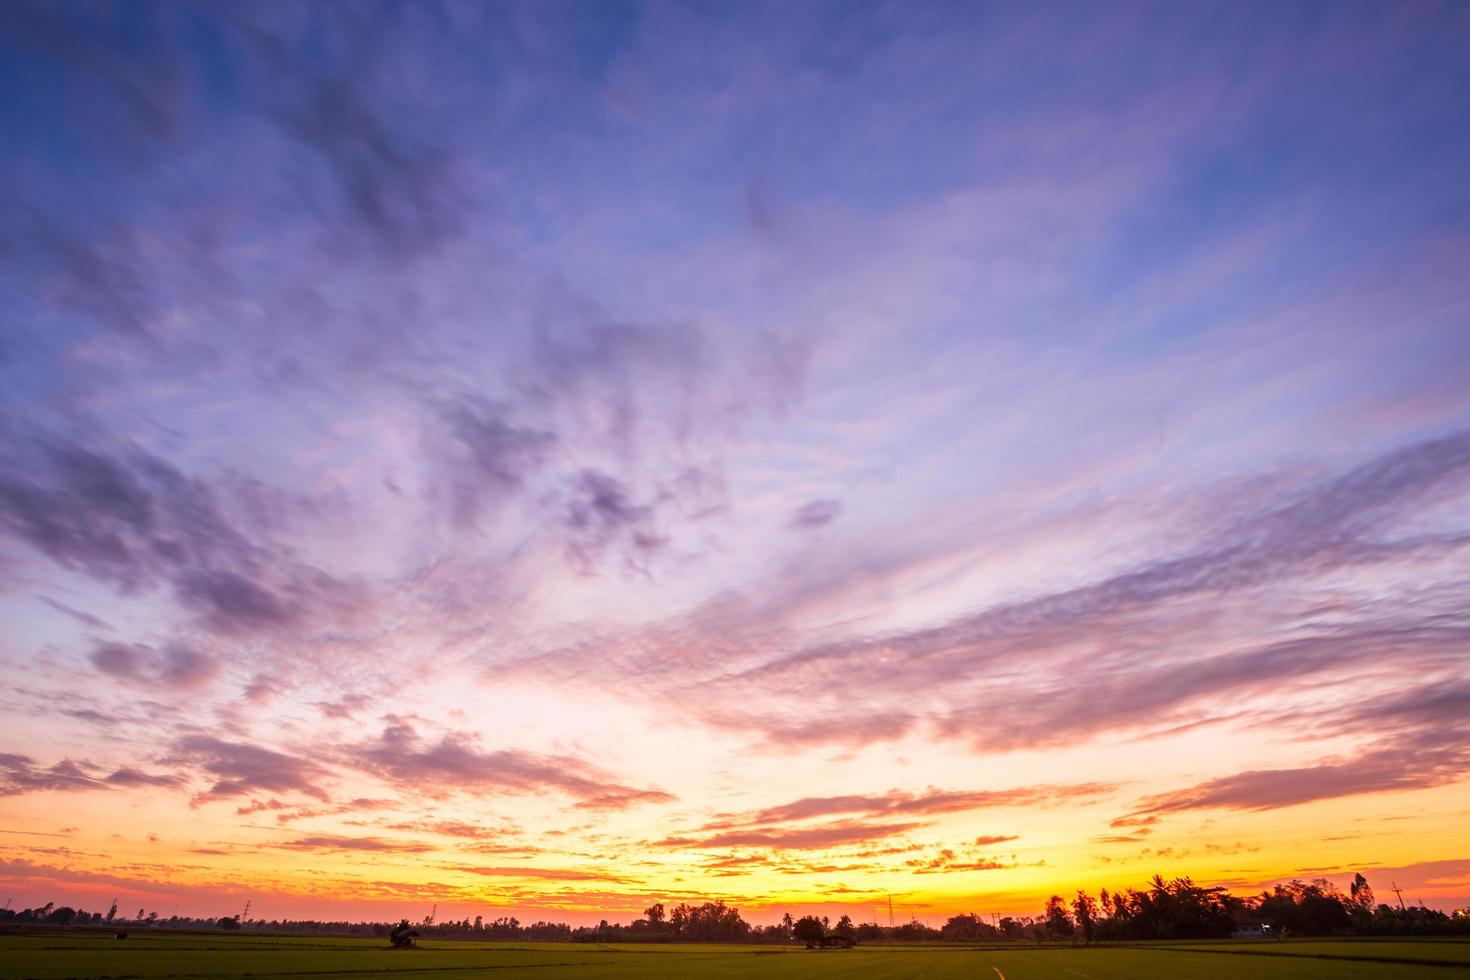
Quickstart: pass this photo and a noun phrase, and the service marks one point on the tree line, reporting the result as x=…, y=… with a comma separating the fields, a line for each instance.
x=1164, y=909
x=1180, y=909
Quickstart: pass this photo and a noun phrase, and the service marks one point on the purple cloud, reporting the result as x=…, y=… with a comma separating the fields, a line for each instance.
x=816, y=513
x=455, y=764
x=240, y=768
x=19, y=774
x=174, y=667
x=129, y=519
x=930, y=802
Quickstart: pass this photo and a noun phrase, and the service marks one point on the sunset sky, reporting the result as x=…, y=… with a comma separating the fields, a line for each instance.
x=546, y=458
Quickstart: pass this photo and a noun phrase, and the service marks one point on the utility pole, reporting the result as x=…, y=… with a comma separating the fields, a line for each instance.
x=1399, y=892
x=246, y=914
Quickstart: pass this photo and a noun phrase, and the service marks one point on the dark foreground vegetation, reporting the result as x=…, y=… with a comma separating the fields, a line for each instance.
x=1180, y=909
x=1164, y=910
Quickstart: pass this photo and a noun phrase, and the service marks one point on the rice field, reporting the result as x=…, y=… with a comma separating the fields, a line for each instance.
x=148, y=954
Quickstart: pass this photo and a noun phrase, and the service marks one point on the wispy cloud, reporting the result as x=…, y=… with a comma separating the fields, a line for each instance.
x=811, y=837
x=455, y=764
x=240, y=768
x=328, y=842
x=19, y=774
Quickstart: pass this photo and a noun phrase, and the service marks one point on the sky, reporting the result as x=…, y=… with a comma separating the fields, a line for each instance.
x=541, y=459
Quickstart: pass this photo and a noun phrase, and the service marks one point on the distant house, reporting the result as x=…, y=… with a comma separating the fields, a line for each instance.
x=1250, y=927
x=838, y=942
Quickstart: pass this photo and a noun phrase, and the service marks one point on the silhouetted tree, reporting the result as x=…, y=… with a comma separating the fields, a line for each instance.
x=1084, y=909
x=403, y=935
x=1058, y=922
x=808, y=929
x=968, y=928
x=1315, y=908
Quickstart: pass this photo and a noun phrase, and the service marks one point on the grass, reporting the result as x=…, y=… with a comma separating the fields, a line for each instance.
x=146, y=954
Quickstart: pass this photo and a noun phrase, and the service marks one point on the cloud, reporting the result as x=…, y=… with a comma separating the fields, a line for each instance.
x=241, y=768
x=173, y=668
x=85, y=618
x=261, y=689
x=1325, y=525
x=127, y=519
x=540, y=874
x=455, y=764
x=136, y=777
x=233, y=603
x=1450, y=873
x=858, y=723
x=344, y=707
x=450, y=828
x=1133, y=838
x=931, y=802
x=599, y=511
x=144, y=84
x=130, y=519
x=405, y=197
x=816, y=513
x=1133, y=822
x=1388, y=769
x=291, y=812
x=19, y=774
x=947, y=861
x=488, y=456
x=620, y=376
x=1133, y=634
x=806, y=838
x=1421, y=739
x=388, y=186
x=328, y=842
x=1114, y=695
x=761, y=828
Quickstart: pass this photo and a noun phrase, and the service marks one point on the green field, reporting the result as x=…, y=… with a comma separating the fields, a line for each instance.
x=146, y=954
